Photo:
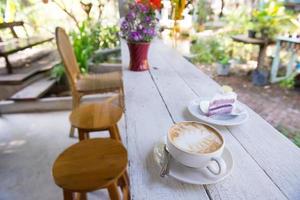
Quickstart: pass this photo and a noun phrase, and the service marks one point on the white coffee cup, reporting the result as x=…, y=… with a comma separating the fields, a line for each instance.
x=197, y=159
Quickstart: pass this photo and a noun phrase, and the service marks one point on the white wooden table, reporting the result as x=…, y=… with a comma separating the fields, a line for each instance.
x=267, y=165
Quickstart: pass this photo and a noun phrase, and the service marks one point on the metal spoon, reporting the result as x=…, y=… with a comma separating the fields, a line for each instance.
x=166, y=165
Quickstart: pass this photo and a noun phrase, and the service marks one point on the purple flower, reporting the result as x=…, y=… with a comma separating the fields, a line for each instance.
x=142, y=7
x=145, y=31
x=139, y=24
x=124, y=25
x=149, y=31
x=135, y=36
x=152, y=31
x=147, y=19
x=140, y=27
x=130, y=16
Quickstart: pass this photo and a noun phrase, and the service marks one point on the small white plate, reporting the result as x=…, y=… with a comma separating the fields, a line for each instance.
x=223, y=120
x=187, y=174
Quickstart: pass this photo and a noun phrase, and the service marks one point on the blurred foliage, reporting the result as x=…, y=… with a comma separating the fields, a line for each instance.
x=85, y=42
x=58, y=72
x=236, y=23
x=271, y=19
x=210, y=50
x=108, y=37
x=203, y=11
x=294, y=136
x=289, y=82
x=90, y=37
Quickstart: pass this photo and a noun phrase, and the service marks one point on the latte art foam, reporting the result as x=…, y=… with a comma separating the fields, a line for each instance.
x=195, y=138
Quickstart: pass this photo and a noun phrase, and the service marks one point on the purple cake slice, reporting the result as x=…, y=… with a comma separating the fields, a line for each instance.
x=226, y=109
x=222, y=104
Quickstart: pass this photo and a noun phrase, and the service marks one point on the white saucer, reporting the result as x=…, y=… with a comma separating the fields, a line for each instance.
x=194, y=109
x=187, y=174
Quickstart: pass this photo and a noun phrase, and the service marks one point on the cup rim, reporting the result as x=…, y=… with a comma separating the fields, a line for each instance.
x=194, y=153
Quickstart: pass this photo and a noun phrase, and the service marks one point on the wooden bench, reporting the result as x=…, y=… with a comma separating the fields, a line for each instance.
x=17, y=44
x=34, y=91
x=266, y=163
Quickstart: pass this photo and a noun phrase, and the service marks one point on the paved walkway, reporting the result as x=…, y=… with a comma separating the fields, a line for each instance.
x=29, y=144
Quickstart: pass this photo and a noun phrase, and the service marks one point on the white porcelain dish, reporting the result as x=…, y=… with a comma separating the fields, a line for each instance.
x=187, y=174
x=222, y=120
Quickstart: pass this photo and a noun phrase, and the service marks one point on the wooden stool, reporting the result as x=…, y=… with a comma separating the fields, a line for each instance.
x=91, y=165
x=96, y=117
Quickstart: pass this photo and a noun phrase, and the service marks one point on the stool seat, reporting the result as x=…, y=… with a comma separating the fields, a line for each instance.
x=90, y=165
x=95, y=116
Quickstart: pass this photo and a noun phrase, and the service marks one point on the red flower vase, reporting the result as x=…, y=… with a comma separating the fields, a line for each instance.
x=138, y=56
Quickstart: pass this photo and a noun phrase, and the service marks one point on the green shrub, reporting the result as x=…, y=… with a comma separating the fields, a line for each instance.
x=237, y=21
x=289, y=82
x=90, y=38
x=210, y=50
x=203, y=11
x=202, y=49
x=85, y=42
x=58, y=72
x=108, y=37
x=294, y=136
x=271, y=19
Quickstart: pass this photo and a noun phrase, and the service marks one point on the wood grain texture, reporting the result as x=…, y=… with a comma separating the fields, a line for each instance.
x=177, y=95
x=35, y=90
x=265, y=162
x=82, y=85
x=273, y=152
x=147, y=120
x=24, y=74
x=95, y=116
x=90, y=165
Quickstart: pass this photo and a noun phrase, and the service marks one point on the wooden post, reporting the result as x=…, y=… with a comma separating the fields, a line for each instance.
x=262, y=55
x=8, y=65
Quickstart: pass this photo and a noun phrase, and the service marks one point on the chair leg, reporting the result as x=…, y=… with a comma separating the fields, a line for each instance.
x=121, y=98
x=126, y=178
x=117, y=132
x=81, y=134
x=114, y=132
x=123, y=182
x=82, y=196
x=113, y=192
x=72, y=131
x=75, y=103
x=67, y=195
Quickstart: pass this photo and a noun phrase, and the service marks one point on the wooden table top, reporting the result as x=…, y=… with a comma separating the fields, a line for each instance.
x=247, y=40
x=90, y=165
x=266, y=163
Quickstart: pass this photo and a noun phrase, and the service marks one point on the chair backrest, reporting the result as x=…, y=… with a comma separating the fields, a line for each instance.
x=68, y=57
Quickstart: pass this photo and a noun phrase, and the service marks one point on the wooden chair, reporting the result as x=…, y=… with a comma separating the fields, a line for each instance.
x=93, y=117
x=92, y=165
x=85, y=84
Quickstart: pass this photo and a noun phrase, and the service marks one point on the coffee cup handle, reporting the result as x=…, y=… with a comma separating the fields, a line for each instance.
x=221, y=167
